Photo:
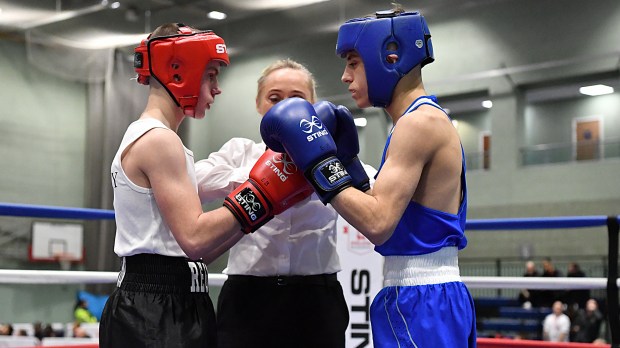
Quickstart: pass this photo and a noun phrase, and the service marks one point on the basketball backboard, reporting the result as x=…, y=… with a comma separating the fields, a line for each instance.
x=54, y=242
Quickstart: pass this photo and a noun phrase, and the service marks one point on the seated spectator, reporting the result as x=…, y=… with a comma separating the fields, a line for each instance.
x=78, y=331
x=527, y=297
x=6, y=330
x=82, y=314
x=48, y=331
x=38, y=330
x=96, y=303
x=556, y=325
x=576, y=298
x=548, y=297
x=587, y=323
x=22, y=332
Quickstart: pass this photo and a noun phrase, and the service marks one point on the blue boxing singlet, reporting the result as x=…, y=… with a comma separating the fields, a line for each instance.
x=423, y=230
x=423, y=302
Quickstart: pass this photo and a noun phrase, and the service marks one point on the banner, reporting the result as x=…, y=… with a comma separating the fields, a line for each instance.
x=361, y=278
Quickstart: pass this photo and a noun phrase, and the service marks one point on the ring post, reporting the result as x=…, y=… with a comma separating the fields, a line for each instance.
x=612, y=284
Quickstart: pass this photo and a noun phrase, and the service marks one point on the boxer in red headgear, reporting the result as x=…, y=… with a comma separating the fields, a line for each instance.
x=178, y=63
x=163, y=237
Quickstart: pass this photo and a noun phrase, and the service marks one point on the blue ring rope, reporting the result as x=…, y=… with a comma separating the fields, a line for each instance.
x=45, y=211
x=537, y=223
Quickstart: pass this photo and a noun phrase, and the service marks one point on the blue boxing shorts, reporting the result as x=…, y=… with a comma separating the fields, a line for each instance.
x=422, y=306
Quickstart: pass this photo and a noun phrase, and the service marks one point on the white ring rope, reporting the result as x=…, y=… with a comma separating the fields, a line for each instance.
x=535, y=282
x=14, y=276
x=18, y=276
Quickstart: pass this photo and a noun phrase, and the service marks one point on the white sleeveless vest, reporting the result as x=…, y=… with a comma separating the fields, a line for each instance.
x=140, y=228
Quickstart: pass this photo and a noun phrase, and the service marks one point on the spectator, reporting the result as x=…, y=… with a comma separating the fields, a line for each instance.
x=527, y=297
x=548, y=297
x=6, y=330
x=38, y=330
x=78, y=330
x=22, y=332
x=576, y=298
x=41, y=331
x=549, y=269
x=556, y=325
x=48, y=331
x=587, y=323
x=81, y=313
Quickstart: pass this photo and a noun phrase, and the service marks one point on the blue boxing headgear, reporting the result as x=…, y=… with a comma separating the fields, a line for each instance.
x=370, y=37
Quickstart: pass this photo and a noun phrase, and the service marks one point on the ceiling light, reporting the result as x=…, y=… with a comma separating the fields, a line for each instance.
x=360, y=122
x=103, y=40
x=115, y=5
x=487, y=104
x=216, y=15
x=595, y=90
x=272, y=4
x=131, y=15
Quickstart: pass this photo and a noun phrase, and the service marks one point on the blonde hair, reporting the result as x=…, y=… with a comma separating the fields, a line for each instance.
x=288, y=64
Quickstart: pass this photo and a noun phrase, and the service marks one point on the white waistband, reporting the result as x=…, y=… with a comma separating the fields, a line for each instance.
x=435, y=268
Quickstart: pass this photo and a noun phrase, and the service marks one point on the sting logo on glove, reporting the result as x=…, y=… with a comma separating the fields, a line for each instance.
x=250, y=204
x=334, y=172
x=308, y=127
x=288, y=167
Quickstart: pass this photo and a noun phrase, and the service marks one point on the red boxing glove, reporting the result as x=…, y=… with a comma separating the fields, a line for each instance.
x=274, y=185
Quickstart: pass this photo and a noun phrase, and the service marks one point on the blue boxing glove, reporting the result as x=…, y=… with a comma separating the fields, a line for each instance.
x=292, y=126
x=347, y=141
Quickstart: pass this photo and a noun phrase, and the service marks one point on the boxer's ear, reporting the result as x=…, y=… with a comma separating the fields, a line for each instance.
x=392, y=58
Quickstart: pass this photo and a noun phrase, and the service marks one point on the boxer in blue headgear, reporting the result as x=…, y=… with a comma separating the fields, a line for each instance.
x=415, y=213
x=377, y=40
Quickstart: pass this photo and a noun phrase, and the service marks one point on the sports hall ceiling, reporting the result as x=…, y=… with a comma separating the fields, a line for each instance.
x=248, y=23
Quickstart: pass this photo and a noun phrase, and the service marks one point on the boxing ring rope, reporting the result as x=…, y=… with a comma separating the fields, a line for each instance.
x=611, y=283
x=18, y=276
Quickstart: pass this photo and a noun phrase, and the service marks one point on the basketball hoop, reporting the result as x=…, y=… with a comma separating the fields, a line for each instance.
x=57, y=243
x=64, y=260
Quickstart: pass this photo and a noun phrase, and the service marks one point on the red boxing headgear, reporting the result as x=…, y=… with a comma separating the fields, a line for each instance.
x=178, y=61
